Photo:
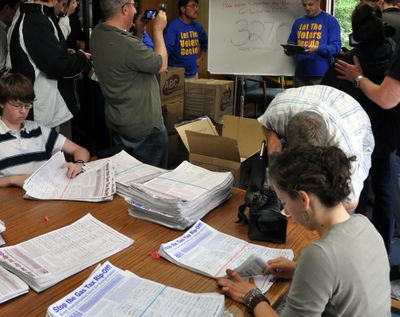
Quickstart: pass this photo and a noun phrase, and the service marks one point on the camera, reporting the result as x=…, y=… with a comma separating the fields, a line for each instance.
x=149, y=14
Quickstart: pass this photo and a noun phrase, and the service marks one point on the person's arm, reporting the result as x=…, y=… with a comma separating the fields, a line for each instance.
x=203, y=40
x=80, y=155
x=160, y=22
x=237, y=288
x=386, y=95
x=51, y=57
x=274, y=144
x=13, y=180
x=280, y=268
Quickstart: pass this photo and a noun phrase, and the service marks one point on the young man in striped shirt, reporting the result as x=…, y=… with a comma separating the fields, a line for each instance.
x=25, y=144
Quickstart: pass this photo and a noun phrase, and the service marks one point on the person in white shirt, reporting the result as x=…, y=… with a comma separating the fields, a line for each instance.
x=344, y=121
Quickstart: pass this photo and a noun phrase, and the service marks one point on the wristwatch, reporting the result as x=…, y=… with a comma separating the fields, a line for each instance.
x=253, y=298
x=357, y=81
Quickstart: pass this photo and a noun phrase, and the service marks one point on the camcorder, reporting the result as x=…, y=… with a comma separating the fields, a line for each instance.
x=149, y=15
x=265, y=222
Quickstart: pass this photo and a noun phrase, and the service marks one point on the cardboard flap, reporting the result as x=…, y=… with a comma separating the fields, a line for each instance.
x=200, y=125
x=213, y=146
x=248, y=133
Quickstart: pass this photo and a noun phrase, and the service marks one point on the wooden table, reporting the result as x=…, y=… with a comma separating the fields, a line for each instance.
x=25, y=219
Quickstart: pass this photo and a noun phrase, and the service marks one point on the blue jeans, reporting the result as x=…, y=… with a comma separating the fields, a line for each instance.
x=151, y=149
x=396, y=186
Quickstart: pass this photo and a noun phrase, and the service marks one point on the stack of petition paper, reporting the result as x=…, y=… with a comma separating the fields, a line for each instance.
x=48, y=259
x=178, y=198
x=110, y=291
x=2, y=228
x=50, y=181
x=11, y=286
x=128, y=170
x=209, y=252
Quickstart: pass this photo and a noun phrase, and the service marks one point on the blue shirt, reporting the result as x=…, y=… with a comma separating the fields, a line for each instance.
x=184, y=42
x=323, y=31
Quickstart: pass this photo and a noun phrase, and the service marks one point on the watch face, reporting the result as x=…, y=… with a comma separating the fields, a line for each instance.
x=357, y=80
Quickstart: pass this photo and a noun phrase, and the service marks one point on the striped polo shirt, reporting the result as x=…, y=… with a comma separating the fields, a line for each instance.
x=21, y=153
x=348, y=124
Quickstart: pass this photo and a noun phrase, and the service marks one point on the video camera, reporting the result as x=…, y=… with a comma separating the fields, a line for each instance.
x=149, y=15
x=265, y=222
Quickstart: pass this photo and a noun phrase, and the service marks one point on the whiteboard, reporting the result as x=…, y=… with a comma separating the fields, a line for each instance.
x=245, y=36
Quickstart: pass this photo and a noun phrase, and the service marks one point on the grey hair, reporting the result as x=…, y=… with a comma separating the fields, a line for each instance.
x=111, y=7
x=307, y=128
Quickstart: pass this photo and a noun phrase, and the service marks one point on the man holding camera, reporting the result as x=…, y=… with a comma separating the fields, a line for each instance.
x=126, y=70
x=186, y=39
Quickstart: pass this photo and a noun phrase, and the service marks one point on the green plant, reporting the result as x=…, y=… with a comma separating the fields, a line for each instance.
x=343, y=10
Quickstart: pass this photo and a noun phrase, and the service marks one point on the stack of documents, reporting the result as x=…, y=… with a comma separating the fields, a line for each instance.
x=50, y=181
x=48, y=259
x=177, y=199
x=128, y=170
x=11, y=286
x=2, y=228
x=110, y=291
x=207, y=251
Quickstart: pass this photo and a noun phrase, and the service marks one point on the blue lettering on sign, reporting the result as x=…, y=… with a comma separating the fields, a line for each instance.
x=89, y=285
x=59, y=308
x=80, y=293
x=70, y=300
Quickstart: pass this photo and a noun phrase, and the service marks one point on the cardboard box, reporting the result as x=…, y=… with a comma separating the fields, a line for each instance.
x=232, y=151
x=172, y=110
x=210, y=97
x=172, y=83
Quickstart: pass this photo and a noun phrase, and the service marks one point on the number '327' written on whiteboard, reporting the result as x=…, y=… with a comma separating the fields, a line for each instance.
x=257, y=34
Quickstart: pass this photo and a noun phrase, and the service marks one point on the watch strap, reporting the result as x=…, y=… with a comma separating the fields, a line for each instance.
x=253, y=298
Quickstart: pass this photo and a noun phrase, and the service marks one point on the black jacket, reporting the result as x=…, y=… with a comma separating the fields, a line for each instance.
x=47, y=49
x=374, y=59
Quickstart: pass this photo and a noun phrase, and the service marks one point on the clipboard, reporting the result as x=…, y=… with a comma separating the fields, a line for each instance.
x=293, y=49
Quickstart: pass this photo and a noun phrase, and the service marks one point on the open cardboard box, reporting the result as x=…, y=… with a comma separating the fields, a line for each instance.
x=232, y=151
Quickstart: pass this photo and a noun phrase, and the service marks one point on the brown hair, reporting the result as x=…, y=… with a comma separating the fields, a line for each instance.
x=16, y=87
x=323, y=171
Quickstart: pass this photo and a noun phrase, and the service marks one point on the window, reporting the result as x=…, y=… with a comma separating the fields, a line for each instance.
x=343, y=10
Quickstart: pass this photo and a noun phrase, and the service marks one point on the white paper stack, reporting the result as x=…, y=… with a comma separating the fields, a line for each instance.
x=204, y=250
x=179, y=198
x=128, y=170
x=50, y=181
x=47, y=259
x=110, y=291
x=2, y=228
x=11, y=286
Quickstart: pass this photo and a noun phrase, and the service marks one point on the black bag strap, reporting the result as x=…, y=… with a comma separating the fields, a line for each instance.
x=241, y=217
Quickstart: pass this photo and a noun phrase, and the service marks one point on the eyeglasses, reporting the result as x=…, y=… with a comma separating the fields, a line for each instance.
x=193, y=6
x=20, y=105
